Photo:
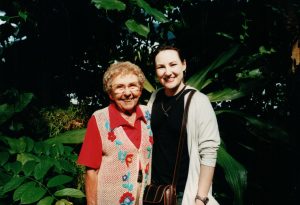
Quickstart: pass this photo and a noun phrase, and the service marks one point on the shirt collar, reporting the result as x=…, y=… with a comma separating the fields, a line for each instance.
x=117, y=120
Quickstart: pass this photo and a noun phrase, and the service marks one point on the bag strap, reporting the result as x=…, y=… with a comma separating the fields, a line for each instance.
x=182, y=138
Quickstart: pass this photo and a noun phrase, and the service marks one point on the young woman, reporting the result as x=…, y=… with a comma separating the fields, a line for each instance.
x=200, y=151
x=118, y=142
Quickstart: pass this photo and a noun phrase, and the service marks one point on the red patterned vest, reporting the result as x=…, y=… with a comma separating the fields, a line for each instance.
x=118, y=173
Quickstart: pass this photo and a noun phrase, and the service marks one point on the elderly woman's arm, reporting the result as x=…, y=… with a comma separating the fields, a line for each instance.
x=91, y=181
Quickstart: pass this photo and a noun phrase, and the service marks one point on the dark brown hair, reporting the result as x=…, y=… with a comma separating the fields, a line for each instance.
x=167, y=47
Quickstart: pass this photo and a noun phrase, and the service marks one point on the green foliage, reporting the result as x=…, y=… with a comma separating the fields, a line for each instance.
x=134, y=6
x=41, y=173
x=70, y=192
x=247, y=79
x=23, y=15
x=70, y=137
x=138, y=28
x=19, y=102
x=237, y=178
x=235, y=173
x=260, y=128
x=61, y=120
x=109, y=4
x=200, y=79
x=158, y=15
x=36, y=172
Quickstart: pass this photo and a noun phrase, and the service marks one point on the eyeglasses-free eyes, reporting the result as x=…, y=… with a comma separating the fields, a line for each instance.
x=120, y=89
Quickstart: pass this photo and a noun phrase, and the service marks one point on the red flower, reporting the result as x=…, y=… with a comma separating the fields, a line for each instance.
x=147, y=169
x=151, y=139
x=126, y=198
x=128, y=159
x=111, y=136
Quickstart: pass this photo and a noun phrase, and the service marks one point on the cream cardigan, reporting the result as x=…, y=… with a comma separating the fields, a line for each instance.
x=203, y=142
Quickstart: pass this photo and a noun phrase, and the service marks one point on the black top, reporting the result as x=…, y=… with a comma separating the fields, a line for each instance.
x=166, y=128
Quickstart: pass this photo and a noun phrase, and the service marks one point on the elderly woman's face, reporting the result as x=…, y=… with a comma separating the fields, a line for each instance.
x=126, y=92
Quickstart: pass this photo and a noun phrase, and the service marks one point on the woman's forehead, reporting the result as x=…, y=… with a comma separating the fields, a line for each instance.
x=125, y=79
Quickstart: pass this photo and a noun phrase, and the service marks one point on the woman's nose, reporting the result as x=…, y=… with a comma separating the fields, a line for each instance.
x=127, y=91
x=168, y=71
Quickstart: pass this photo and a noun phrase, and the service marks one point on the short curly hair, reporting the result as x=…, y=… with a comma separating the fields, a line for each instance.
x=121, y=68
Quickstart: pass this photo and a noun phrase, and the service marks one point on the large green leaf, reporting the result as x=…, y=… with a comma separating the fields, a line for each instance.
x=148, y=86
x=16, y=145
x=4, y=18
x=259, y=127
x=69, y=137
x=42, y=168
x=56, y=150
x=248, y=74
x=109, y=4
x=41, y=147
x=23, y=15
x=59, y=180
x=19, y=145
x=25, y=157
x=12, y=184
x=14, y=167
x=63, y=202
x=226, y=94
x=21, y=189
x=198, y=79
x=66, y=165
x=3, y=158
x=8, y=110
x=141, y=29
x=48, y=200
x=29, y=167
x=159, y=16
x=235, y=174
x=5, y=112
x=76, y=193
x=32, y=194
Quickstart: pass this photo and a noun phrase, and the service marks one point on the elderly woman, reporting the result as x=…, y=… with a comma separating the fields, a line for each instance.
x=118, y=142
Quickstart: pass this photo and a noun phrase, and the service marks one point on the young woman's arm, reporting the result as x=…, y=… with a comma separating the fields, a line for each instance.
x=205, y=181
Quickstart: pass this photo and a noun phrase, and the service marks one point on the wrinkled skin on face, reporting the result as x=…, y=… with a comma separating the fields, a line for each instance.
x=126, y=92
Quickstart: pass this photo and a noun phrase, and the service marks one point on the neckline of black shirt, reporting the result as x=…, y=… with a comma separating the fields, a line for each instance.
x=166, y=131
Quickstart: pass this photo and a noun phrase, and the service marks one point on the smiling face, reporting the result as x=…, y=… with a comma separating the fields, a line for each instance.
x=169, y=70
x=126, y=92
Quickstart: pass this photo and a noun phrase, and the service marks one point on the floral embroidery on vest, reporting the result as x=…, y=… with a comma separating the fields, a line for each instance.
x=127, y=157
x=126, y=199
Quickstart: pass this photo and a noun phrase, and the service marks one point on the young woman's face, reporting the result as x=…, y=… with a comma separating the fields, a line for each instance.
x=169, y=70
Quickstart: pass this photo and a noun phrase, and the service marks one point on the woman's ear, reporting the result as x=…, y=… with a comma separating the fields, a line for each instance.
x=184, y=65
x=111, y=97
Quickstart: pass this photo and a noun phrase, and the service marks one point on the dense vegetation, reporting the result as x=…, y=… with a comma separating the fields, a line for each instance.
x=243, y=54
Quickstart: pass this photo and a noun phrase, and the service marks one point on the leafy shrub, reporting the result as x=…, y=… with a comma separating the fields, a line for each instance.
x=61, y=120
x=35, y=172
x=38, y=172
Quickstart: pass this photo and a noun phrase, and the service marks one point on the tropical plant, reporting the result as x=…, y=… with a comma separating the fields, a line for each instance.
x=60, y=120
x=9, y=29
x=36, y=172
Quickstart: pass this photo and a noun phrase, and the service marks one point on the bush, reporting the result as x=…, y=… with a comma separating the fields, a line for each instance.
x=38, y=172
